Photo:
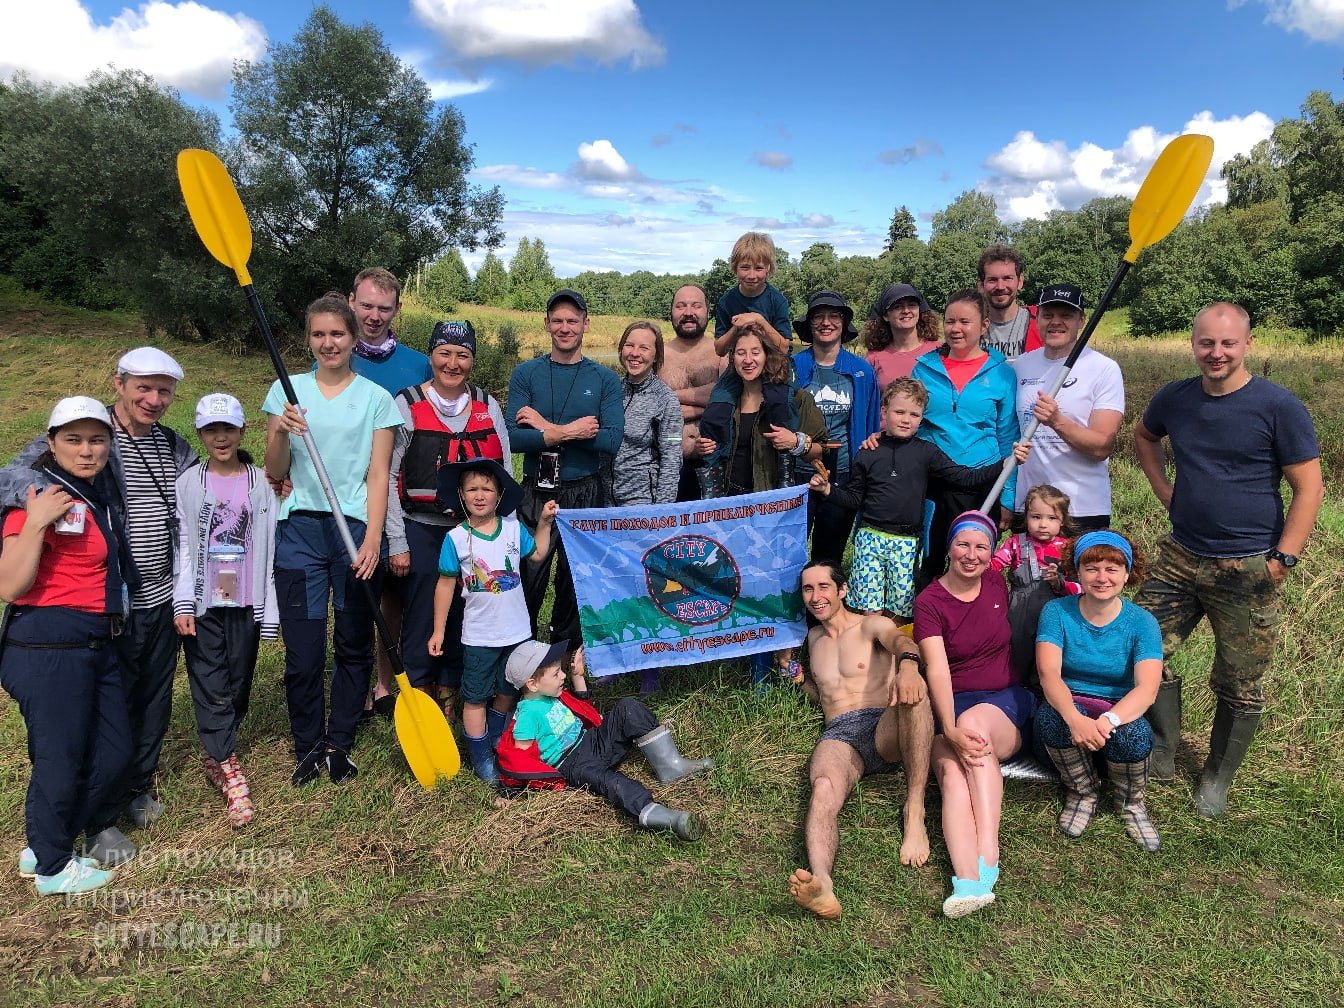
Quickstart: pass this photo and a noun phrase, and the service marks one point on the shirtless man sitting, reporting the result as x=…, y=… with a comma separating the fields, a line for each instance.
x=866, y=676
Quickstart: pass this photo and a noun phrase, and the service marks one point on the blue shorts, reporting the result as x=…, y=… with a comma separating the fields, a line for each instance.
x=483, y=672
x=1017, y=703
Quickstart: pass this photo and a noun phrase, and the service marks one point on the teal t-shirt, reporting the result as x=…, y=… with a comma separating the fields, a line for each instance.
x=833, y=393
x=555, y=727
x=1099, y=661
x=343, y=429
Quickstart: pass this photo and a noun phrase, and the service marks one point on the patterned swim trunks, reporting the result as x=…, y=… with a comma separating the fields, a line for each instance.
x=858, y=730
x=883, y=574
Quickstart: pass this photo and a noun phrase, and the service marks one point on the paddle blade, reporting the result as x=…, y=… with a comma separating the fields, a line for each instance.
x=425, y=737
x=216, y=210
x=1168, y=191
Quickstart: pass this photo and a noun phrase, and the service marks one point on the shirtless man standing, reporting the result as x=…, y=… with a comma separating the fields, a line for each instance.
x=690, y=369
x=866, y=676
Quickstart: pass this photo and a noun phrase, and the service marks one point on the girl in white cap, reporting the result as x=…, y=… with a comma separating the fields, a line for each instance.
x=224, y=591
x=66, y=570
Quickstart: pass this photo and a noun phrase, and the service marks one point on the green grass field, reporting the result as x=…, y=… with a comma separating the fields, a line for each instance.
x=379, y=893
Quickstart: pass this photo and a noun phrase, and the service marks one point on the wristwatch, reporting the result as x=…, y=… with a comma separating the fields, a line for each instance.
x=1289, y=560
x=1110, y=716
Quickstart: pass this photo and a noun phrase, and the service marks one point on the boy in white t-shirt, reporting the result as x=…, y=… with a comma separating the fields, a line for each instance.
x=485, y=554
x=1078, y=426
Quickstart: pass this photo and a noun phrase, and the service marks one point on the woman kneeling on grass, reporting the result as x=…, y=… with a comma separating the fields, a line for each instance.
x=1100, y=662
x=981, y=707
x=64, y=570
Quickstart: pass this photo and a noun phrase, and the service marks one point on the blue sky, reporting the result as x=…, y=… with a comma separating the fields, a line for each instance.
x=649, y=135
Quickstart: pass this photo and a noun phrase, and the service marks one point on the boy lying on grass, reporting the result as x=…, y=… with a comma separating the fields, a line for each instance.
x=586, y=752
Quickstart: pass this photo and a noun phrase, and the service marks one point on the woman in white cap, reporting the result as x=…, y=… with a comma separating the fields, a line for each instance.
x=224, y=595
x=352, y=421
x=65, y=570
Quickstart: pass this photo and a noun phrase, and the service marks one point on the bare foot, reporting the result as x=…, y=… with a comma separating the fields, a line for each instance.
x=915, y=846
x=814, y=895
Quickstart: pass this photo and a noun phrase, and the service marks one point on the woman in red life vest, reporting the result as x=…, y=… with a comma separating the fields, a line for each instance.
x=447, y=419
x=64, y=569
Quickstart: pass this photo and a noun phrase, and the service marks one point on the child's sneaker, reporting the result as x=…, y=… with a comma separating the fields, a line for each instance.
x=75, y=877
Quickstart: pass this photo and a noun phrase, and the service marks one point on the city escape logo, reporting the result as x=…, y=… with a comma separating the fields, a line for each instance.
x=693, y=579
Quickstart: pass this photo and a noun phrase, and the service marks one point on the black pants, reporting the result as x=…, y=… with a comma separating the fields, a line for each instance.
x=312, y=567
x=417, y=621
x=688, y=485
x=830, y=524
x=74, y=706
x=581, y=493
x=147, y=648
x=592, y=763
x=221, y=659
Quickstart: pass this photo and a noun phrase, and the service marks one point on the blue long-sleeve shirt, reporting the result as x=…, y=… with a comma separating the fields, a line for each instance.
x=977, y=426
x=562, y=393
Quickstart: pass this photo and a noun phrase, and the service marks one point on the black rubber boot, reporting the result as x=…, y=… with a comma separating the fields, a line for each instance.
x=686, y=825
x=669, y=765
x=1165, y=718
x=1232, y=734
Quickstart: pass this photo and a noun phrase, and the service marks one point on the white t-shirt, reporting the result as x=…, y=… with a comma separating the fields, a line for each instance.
x=1094, y=383
x=489, y=572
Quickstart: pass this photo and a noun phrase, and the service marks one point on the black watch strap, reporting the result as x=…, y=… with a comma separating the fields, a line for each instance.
x=1289, y=560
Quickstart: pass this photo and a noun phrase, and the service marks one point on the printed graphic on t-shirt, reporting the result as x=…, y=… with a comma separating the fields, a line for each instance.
x=480, y=578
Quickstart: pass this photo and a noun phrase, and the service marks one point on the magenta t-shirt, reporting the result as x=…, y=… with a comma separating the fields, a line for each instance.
x=975, y=634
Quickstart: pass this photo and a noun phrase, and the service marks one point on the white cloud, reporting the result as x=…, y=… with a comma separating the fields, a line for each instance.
x=602, y=173
x=1319, y=20
x=772, y=159
x=185, y=45
x=446, y=90
x=1032, y=176
x=601, y=161
x=540, y=32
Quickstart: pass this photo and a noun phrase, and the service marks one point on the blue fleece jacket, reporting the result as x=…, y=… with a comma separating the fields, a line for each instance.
x=978, y=425
x=865, y=414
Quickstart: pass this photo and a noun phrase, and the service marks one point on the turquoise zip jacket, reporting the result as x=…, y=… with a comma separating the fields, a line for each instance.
x=977, y=426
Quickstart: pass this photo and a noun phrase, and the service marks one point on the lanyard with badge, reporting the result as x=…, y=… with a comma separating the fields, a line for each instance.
x=548, y=463
x=154, y=435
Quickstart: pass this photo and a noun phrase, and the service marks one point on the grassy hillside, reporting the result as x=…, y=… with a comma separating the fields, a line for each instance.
x=379, y=893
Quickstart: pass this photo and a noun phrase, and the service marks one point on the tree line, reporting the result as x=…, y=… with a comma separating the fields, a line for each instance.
x=343, y=159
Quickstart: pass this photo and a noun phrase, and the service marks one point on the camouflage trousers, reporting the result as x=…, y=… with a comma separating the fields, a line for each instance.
x=1242, y=604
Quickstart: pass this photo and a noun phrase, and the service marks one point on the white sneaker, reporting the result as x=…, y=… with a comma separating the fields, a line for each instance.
x=75, y=877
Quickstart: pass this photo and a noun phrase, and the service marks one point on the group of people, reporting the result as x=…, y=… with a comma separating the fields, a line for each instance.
x=122, y=540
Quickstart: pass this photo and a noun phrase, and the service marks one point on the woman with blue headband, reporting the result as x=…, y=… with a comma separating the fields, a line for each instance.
x=1100, y=661
x=980, y=705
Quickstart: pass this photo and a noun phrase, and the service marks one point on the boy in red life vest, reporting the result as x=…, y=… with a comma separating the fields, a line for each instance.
x=546, y=724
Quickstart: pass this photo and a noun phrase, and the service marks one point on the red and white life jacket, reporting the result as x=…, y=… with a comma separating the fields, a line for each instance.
x=433, y=445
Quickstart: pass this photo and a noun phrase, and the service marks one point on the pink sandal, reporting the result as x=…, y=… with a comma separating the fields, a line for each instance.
x=237, y=793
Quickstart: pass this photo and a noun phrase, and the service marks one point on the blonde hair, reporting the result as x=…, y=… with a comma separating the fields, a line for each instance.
x=382, y=279
x=912, y=388
x=754, y=246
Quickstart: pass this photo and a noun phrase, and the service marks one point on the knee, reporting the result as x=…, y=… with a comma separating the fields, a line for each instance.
x=827, y=792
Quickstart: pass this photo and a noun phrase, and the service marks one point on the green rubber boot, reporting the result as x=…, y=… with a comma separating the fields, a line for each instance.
x=1165, y=718
x=1232, y=734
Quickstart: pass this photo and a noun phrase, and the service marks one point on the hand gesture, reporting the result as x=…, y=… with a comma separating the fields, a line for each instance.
x=1046, y=410
x=820, y=483
x=399, y=563
x=908, y=687
x=780, y=438
x=1088, y=733
x=436, y=644
x=973, y=749
x=1021, y=450
x=186, y=625
x=47, y=507
x=549, y=510
x=292, y=421
x=582, y=429
x=870, y=442
x=704, y=446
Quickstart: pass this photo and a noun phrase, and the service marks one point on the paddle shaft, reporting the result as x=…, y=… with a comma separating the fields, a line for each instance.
x=390, y=644
x=1010, y=463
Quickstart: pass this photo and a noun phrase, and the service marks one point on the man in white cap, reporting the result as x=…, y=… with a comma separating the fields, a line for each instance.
x=146, y=459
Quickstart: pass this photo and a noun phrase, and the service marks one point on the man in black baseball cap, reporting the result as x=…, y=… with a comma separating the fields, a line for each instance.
x=1078, y=425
